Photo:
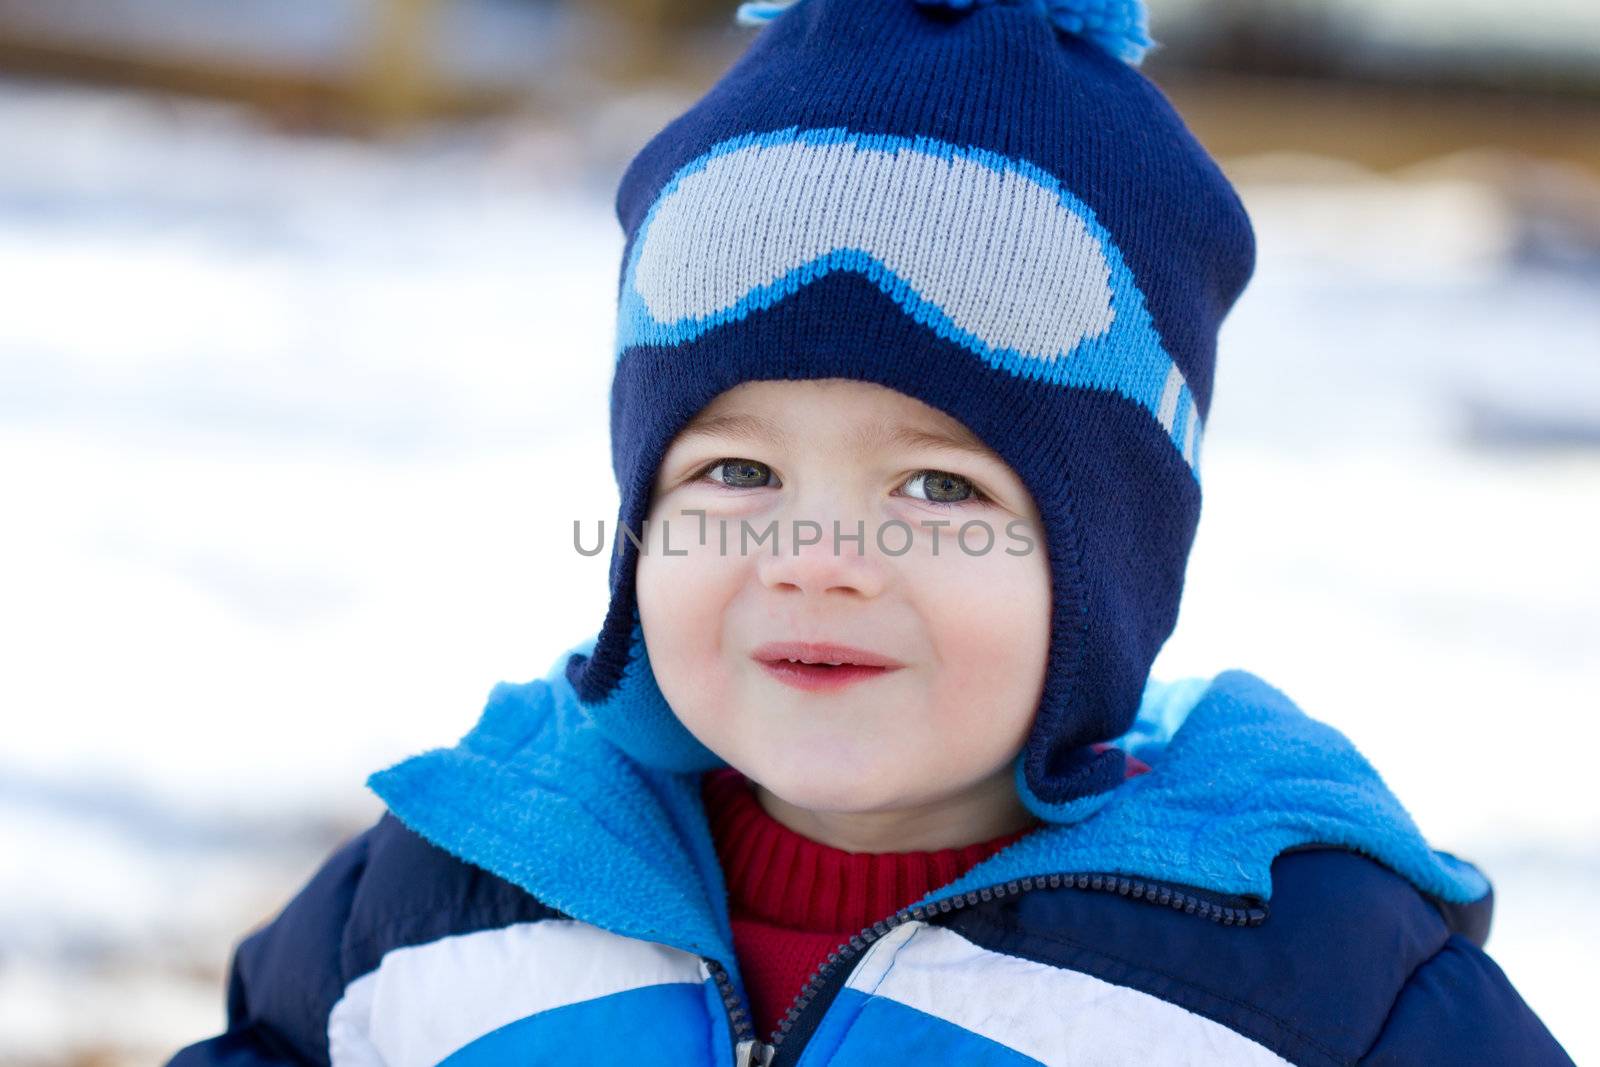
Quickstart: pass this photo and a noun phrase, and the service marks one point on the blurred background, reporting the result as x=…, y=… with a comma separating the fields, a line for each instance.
x=304, y=350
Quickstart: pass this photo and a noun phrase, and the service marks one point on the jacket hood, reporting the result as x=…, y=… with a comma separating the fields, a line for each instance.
x=536, y=794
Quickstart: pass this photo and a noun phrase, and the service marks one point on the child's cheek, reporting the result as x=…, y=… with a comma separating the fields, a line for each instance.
x=988, y=619
x=684, y=590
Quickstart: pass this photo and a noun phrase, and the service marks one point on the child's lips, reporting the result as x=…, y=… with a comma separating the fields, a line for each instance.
x=821, y=666
x=814, y=677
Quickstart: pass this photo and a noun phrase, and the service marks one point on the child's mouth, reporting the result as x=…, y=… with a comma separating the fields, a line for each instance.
x=821, y=667
x=821, y=676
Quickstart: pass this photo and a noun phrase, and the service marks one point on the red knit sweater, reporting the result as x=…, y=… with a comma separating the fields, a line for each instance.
x=794, y=900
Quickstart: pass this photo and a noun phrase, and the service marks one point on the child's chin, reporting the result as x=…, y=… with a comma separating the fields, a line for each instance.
x=830, y=791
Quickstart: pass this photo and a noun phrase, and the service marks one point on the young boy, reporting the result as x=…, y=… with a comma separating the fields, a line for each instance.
x=917, y=323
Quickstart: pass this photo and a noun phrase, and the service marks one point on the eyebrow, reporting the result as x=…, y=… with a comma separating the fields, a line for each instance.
x=873, y=436
x=746, y=427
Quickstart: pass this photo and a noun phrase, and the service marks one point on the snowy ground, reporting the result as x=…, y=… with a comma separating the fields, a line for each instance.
x=293, y=432
x=501, y=43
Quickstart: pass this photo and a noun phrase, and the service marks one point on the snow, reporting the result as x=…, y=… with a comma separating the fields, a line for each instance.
x=499, y=43
x=1412, y=35
x=293, y=432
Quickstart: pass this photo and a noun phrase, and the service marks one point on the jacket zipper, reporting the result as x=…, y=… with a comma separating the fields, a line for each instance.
x=751, y=1052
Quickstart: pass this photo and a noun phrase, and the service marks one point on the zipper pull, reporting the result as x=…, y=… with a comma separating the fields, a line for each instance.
x=752, y=1054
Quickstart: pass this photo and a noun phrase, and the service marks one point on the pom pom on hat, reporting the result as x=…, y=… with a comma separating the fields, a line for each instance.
x=756, y=12
x=1118, y=26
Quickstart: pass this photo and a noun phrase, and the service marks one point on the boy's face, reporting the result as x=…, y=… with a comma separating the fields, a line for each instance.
x=967, y=627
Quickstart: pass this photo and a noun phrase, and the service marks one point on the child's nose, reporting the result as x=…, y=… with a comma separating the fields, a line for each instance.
x=823, y=555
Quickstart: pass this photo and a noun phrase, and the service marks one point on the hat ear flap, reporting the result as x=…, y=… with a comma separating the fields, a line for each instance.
x=1075, y=789
x=634, y=715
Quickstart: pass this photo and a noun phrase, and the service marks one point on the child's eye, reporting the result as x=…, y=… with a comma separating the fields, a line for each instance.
x=739, y=473
x=942, y=487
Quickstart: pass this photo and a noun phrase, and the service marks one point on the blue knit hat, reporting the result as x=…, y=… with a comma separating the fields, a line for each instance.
x=982, y=205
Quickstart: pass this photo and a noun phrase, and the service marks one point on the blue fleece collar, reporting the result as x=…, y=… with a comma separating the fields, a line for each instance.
x=1238, y=775
x=536, y=794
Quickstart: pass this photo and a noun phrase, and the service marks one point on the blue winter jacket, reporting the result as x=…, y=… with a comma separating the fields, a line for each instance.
x=533, y=896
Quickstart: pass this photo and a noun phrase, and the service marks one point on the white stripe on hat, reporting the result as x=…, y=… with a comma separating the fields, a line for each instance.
x=1168, y=411
x=999, y=253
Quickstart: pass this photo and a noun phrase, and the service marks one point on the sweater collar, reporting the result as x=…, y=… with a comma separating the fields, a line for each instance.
x=783, y=877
